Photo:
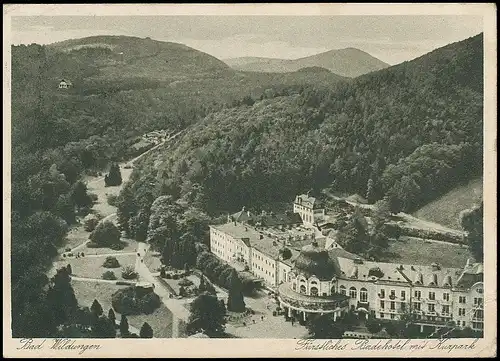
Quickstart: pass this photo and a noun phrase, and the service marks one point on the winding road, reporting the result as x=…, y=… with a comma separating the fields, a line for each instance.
x=179, y=312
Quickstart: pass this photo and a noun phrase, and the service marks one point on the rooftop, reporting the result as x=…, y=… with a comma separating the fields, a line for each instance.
x=267, y=219
x=314, y=260
x=432, y=275
x=252, y=237
x=308, y=201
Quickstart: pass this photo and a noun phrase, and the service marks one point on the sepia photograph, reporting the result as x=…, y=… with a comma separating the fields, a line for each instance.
x=315, y=177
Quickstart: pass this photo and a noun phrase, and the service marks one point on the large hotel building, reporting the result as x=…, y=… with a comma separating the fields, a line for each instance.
x=311, y=273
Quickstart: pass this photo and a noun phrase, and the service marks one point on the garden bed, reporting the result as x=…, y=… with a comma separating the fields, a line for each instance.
x=91, y=267
x=129, y=246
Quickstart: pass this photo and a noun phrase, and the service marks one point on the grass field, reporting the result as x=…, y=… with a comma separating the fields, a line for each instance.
x=446, y=209
x=86, y=292
x=160, y=321
x=91, y=267
x=75, y=237
x=415, y=251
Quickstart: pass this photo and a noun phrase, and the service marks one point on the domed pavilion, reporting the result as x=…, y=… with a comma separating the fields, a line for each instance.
x=311, y=285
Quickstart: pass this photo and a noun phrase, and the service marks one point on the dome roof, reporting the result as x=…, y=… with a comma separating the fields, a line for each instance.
x=316, y=261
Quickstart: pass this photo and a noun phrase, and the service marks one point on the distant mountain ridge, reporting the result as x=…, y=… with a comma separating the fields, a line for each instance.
x=348, y=62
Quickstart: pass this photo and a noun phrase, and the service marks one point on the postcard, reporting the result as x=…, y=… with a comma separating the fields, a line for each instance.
x=249, y=180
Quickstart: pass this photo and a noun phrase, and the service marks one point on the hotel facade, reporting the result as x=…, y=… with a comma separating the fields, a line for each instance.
x=312, y=274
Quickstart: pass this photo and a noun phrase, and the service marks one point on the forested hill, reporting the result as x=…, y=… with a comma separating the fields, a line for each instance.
x=411, y=131
x=137, y=57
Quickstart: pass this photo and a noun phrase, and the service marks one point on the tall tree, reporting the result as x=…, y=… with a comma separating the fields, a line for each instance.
x=235, y=301
x=96, y=308
x=61, y=297
x=206, y=316
x=114, y=177
x=323, y=326
x=80, y=196
x=124, y=326
x=353, y=237
x=112, y=316
x=146, y=331
x=471, y=221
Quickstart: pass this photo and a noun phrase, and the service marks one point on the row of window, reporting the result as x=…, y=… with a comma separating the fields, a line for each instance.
x=392, y=294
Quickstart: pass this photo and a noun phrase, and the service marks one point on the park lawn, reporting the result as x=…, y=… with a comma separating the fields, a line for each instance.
x=130, y=246
x=75, y=237
x=160, y=321
x=87, y=291
x=409, y=250
x=91, y=267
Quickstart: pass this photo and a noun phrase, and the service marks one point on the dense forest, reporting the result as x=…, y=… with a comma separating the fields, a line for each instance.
x=409, y=132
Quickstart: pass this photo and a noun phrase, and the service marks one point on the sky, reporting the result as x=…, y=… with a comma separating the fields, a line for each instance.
x=392, y=39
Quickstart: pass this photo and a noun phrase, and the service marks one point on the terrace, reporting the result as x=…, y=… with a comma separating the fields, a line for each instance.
x=301, y=302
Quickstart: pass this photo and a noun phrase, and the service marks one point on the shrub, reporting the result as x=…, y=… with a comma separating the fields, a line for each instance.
x=70, y=254
x=111, y=262
x=93, y=197
x=82, y=254
x=67, y=249
x=185, y=282
x=64, y=255
x=109, y=275
x=168, y=276
x=105, y=234
x=123, y=283
x=92, y=245
x=274, y=313
x=117, y=246
x=127, y=302
x=149, y=303
x=373, y=325
x=112, y=199
x=175, y=276
x=129, y=273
